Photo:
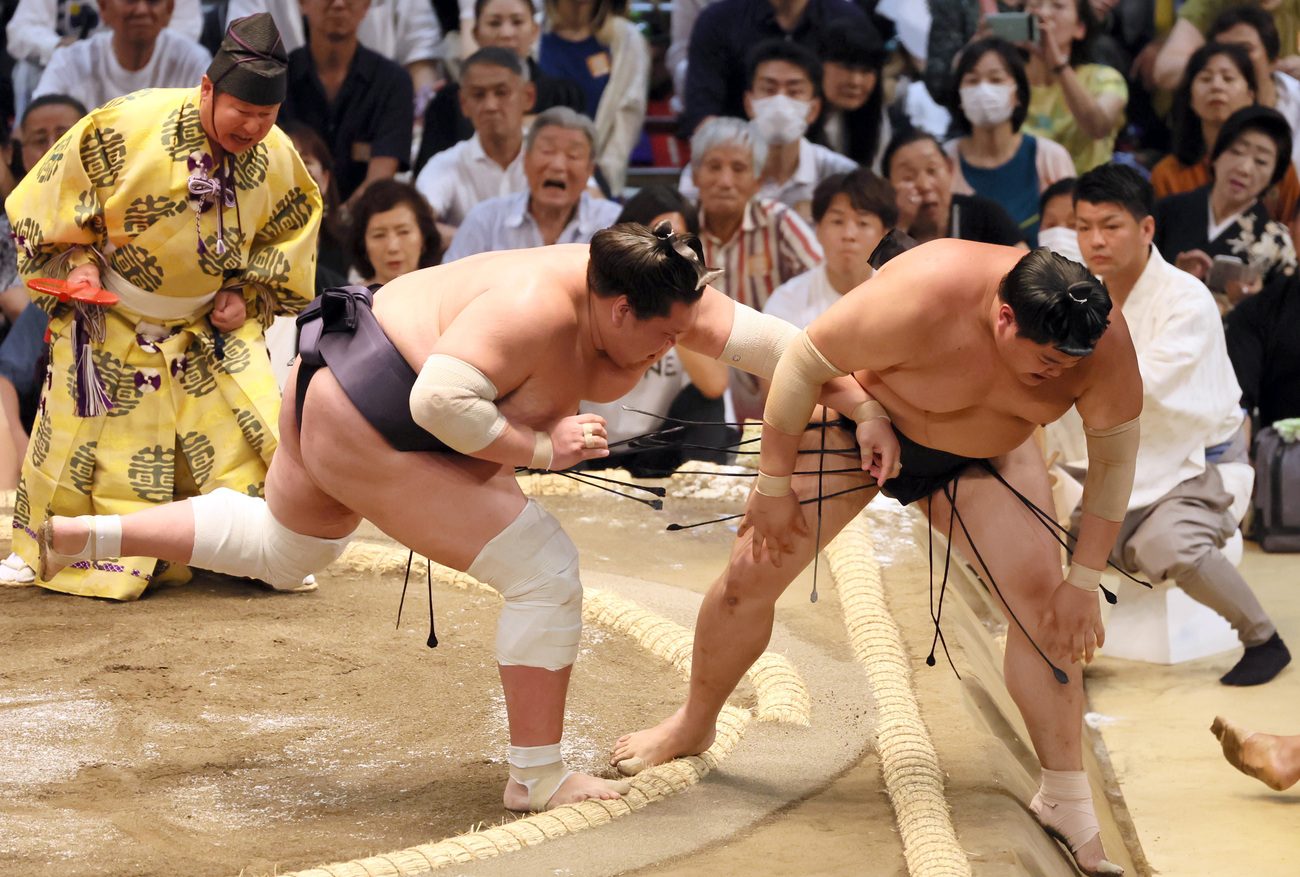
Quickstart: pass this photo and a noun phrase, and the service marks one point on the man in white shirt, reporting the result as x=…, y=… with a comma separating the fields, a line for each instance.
x=134, y=53
x=494, y=96
x=41, y=26
x=1178, y=519
x=783, y=100
x=38, y=27
x=559, y=158
x=405, y=31
x=851, y=214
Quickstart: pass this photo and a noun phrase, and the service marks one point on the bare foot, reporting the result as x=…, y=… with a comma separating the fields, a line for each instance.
x=671, y=738
x=1090, y=855
x=577, y=787
x=1256, y=755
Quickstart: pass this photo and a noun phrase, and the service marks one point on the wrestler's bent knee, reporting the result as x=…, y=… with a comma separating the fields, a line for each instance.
x=236, y=534
x=534, y=564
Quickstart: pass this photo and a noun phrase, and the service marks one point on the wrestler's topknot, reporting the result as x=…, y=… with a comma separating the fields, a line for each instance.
x=653, y=267
x=1057, y=302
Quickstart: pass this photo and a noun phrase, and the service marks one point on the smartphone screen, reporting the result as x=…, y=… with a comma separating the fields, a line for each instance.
x=1014, y=27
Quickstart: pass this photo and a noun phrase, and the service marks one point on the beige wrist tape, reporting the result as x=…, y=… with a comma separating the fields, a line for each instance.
x=756, y=342
x=773, y=485
x=868, y=410
x=455, y=402
x=543, y=452
x=1085, y=578
x=796, y=386
x=1112, y=460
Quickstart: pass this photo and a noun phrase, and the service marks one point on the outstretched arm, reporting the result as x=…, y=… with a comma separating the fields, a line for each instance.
x=736, y=335
x=863, y=330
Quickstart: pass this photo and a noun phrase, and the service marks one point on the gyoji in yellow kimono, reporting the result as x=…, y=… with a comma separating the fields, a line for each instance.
x=196, y=212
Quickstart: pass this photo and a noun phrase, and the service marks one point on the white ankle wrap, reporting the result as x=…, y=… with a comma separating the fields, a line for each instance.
x=534, y=565
x=104, y=540
x=540, y=770
x=1066, y=796
x=236, y=534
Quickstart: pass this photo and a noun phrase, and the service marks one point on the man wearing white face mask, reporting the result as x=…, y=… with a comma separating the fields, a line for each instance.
x=782, y=101
x=994, y=158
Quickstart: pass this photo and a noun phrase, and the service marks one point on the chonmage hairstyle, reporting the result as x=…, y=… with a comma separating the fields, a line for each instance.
x=1057, y=302
x=654, y=268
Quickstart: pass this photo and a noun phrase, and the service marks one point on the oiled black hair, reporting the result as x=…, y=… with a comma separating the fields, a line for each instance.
x=1057, y=302
x=654, y=268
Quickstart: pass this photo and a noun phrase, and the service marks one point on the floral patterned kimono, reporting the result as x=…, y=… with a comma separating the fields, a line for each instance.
x=144, y=401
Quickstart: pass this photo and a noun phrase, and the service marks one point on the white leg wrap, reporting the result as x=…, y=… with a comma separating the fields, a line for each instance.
x=237, y=535
x=534, y=564
x=540, y=770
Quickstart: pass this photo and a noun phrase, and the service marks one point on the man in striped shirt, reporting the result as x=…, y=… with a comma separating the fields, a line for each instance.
x=760, y=244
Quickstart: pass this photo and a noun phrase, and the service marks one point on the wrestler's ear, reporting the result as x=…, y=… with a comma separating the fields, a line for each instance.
x=621, y=312
x=1007, y=318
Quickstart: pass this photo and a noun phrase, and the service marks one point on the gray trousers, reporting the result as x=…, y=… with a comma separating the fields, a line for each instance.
x=1180, y=536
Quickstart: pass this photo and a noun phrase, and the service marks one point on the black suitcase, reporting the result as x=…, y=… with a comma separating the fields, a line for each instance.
x=1277, y=492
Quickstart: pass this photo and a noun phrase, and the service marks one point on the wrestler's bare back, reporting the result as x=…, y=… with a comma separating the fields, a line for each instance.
x=472, y=298
x=924, y=322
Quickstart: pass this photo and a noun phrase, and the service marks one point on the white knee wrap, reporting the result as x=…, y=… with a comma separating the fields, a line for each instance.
x=534, y=564
x=237, y=535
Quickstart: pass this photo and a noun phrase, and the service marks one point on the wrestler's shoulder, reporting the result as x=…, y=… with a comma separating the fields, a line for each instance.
x=538, y=286
x=1113, y=354
x=944, y=249
x=951, y=263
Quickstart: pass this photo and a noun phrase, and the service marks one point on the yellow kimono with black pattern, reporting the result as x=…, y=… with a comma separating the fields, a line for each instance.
x=185, y=417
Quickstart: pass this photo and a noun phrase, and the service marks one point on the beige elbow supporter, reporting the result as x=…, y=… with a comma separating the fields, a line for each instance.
x=1112, y=460
x=796, y=385
x=456, y=403
x=756, y=342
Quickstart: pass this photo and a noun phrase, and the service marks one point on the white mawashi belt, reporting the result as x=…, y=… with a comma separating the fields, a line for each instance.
x=152, y=305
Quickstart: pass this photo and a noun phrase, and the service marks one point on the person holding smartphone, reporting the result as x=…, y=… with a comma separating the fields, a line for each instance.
x=1225, y=218
x=1077, y=103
